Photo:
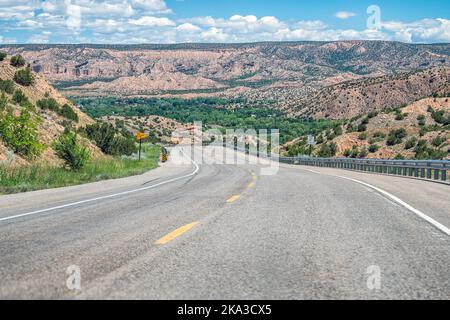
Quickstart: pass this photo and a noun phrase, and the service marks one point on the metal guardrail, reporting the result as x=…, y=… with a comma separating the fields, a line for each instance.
x=420, y=169
x=434, y=170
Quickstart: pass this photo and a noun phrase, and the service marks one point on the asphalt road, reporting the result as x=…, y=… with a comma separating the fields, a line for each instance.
x=218, y=231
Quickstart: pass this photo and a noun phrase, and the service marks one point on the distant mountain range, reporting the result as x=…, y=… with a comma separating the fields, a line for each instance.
x=306, y=79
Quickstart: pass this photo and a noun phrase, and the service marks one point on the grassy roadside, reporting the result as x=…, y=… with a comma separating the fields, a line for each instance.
x=35, y=177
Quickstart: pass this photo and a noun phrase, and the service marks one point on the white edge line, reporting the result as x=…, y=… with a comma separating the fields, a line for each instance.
x=197, y=168
x=419, y=213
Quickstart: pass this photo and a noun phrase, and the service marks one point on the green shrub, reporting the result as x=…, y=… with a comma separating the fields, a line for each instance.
x=424, y=152
x=3, y=55
x=388, y=110
x=363, y=153
x=3, y=101
x=372, y=114
x=396, y=137
x=67, y=112
x=122, y=146
x=48, y=104
x=411, y=143
x=7, y=86
x=362, y=136
x=69, y=150
x=17, y=61
x=330, y=134
x=379, y=135
x=399, y=116
x=19, y=97
x=108, y=140
x=328, y=150
x=319, y=139
x=350, y=128
x=373, y=148
x=362, y=127
x=21, y=133
x=365, y=120
x=441, y=117
x=337, y=130
x=355, y=152
x=347, y=153
x=438, y=141
x=421, y=119
x=399, y=156
x=24, y=77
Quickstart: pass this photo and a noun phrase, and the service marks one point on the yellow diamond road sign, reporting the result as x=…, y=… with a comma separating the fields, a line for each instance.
x=141, y=136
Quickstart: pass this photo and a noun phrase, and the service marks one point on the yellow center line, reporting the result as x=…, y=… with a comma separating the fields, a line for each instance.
x=176, y=233
x=233, y=199
x=251, y=184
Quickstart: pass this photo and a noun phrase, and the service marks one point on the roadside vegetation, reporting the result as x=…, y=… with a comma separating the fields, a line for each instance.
x=21, y=122
x=36, y=177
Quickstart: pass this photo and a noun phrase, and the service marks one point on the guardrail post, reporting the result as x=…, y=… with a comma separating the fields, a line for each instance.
x=436, y=174
x=444, y=175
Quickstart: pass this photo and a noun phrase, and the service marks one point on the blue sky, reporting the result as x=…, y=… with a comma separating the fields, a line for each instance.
x=172, y=21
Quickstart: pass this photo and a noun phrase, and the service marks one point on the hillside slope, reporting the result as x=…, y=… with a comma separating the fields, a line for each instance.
x=51, y=123
x=351, y=98
x=419, y=130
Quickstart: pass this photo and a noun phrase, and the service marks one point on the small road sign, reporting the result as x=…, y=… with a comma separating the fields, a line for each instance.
x=141, y=136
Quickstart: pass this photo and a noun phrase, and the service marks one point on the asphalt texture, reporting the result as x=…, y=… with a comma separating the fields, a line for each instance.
x=302, y=233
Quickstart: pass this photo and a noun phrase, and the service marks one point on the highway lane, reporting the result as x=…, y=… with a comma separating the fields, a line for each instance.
x=226, y=232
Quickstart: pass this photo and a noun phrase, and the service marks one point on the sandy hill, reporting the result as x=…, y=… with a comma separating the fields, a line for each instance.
x=51, y=125
x=351, y=98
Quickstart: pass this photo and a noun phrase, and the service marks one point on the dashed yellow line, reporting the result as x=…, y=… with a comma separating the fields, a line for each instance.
x=251, y=184
x=233, y=199
x=176, y=233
